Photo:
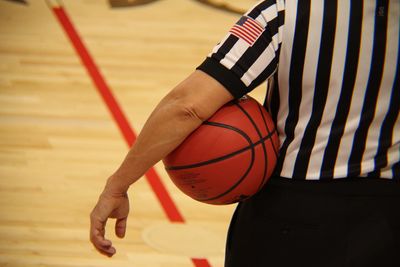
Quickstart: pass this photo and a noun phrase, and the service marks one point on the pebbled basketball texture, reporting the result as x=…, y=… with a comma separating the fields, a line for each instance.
x=229, y=157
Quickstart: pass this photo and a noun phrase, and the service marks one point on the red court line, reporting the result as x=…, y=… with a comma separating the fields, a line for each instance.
x=153, y=178
x=158, y=187
x=201, y=263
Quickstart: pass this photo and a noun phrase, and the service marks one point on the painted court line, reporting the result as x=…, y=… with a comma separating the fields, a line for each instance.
x=201, y=263
x=153, y=178
x=159, y=189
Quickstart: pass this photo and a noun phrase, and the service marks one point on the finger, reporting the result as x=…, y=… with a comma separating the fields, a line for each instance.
x=97, y=231
x=120, y=227
x=102, y=245
x=107, y=251
x=99, y=240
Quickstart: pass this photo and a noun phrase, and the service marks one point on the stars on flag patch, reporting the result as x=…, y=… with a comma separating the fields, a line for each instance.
x=247, y=29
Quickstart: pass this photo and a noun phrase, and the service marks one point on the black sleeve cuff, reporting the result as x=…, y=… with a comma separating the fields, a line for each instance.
x=224, y=76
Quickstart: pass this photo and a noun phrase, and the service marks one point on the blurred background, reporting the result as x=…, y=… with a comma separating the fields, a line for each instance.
x=59, y=141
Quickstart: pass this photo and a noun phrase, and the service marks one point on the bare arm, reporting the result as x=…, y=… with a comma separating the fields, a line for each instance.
x=175, y=117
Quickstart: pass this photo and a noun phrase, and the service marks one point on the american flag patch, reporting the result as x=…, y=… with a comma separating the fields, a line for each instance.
x=247, y=29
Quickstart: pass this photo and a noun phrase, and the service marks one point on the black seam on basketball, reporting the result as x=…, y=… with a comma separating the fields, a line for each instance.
x=263, y=144
x=251, y=161
x=215, y=160
x=266, y=126
x=238, y=182
x=226, y=126
x=251, y=146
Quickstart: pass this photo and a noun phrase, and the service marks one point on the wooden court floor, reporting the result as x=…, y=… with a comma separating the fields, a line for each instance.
x=59, y=142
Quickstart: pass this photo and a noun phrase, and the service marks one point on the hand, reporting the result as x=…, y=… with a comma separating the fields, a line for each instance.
x=111, y=204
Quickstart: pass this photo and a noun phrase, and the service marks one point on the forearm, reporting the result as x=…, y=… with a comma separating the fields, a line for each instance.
x=165, y=129
x=174, y=118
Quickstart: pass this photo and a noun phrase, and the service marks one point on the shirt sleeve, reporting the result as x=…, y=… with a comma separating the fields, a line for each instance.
x=249, y=53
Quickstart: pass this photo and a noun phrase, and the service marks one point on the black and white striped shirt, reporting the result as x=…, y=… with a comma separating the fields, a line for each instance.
x=336, y=93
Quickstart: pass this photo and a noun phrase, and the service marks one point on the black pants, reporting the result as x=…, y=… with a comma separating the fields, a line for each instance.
x=352, y=222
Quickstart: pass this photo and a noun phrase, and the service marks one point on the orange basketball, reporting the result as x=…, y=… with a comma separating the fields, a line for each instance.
x=229, y=157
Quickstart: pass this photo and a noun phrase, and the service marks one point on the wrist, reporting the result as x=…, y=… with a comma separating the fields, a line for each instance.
x=117, y=185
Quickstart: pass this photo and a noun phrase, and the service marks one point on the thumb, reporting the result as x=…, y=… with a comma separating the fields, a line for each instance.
x=120, y=227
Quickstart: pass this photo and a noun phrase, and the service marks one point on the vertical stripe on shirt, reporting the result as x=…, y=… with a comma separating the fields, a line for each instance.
x=388, y=99
x=387, y=129
x=335, y=88
x=321, y=88
x=349, y=79
x=295, y=76
x=370, y=99
x=273, y=99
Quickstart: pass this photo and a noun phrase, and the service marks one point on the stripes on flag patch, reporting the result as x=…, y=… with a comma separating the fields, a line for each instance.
x=247, y=29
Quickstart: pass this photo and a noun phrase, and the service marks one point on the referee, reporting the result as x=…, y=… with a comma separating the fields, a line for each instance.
x=333, y=90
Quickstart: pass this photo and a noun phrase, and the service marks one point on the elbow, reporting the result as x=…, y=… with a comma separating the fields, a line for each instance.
x=185, y=107
x=191, y=112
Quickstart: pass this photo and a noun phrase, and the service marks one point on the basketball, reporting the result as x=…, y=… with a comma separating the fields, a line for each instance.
x=229, y=157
